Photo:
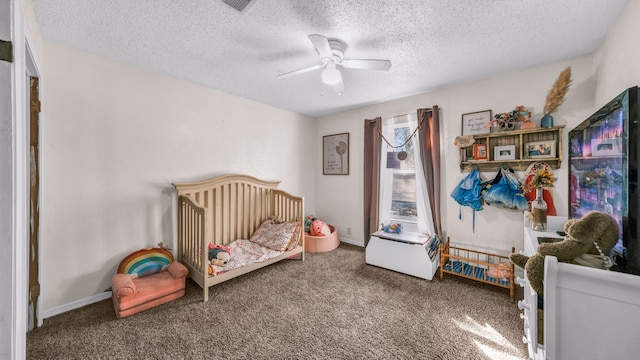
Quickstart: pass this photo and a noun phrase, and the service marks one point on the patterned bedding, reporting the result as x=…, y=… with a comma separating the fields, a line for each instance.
x=243, y=253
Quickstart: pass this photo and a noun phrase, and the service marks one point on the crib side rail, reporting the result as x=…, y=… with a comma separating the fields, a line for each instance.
x=289, y=208
x=470, y=258
x=461, y=253
x=444, y=254
x=456, y=249
x=192, y=234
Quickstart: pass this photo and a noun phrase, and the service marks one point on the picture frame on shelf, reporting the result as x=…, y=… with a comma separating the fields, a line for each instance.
x=480, y=152
x=540, y=149
x=335, y=154
x=475, y=123
x=505, y=152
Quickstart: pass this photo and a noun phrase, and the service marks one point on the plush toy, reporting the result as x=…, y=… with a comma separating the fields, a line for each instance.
x=391, y=228
x=319, y=228
x=219, y=254
x=589, y=238
x=307, y=223
x=499, y=272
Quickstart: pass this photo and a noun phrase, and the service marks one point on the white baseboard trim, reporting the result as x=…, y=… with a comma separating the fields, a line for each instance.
x=352, y=242
x=76, y=304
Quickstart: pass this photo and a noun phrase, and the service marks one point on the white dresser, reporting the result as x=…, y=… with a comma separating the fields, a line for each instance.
x=407, y=252
x=588, y=313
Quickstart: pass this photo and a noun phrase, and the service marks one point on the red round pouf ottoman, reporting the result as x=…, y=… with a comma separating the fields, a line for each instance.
x=321, y=243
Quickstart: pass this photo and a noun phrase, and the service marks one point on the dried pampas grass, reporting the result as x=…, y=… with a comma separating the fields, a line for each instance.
x=555, y=98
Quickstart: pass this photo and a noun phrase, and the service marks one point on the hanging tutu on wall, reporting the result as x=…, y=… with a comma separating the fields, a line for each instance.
x=505, y=191
x=469, y=193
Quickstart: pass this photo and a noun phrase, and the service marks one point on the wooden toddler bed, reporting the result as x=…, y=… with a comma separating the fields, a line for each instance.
x=227, y=211
x=477, y=265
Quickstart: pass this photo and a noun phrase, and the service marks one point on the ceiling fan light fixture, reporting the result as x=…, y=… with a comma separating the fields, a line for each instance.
x=331, y=76
x=331, y=52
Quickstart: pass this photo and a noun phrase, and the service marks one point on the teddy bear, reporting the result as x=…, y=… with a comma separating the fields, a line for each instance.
x=596, y=234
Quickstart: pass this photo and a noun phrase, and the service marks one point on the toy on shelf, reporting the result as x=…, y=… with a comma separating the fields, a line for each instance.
x=391, y=228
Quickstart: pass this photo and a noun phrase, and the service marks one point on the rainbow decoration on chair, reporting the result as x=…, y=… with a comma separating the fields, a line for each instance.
x=145, y=262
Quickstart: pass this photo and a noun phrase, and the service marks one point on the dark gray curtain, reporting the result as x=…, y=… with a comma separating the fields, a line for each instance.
x=429, y=134
x=372, y=148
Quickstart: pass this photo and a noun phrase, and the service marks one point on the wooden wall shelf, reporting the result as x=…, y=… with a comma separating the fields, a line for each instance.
x=519, y=138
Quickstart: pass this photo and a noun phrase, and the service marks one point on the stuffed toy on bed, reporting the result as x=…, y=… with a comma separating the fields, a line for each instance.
x=588, y=242
x=499, y=272
x=219, y=254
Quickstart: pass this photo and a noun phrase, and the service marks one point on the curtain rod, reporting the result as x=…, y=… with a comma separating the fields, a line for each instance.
x=406, y=114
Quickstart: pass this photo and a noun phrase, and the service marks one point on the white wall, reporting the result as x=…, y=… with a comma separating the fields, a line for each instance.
x=617, y=61
x=116, y=137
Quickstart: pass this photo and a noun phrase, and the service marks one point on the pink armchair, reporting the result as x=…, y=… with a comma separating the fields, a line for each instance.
x=145, y=279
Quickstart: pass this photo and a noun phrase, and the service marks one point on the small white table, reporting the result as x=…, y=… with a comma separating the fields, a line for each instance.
x=406, y=252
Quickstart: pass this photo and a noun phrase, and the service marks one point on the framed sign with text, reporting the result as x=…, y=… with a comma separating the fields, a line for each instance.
x=474, y=123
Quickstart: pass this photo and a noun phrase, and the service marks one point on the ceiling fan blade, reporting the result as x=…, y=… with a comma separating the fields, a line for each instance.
x=366, y=64
x=299, y=71
x=321, y=44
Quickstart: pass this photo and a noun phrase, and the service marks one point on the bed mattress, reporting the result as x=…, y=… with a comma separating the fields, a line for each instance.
x=473, y=271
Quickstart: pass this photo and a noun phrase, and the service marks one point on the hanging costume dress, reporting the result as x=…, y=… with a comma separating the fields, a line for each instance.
x=469, y=193
x=505, y=191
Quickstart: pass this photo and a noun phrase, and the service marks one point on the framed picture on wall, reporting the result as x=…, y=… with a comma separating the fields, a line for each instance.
x=335, y=154
x=474, y=123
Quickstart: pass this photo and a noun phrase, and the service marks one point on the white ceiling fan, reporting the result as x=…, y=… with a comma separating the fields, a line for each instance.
x=331, y=52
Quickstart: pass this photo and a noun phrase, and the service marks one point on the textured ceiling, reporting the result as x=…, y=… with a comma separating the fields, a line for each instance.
x=431, y=43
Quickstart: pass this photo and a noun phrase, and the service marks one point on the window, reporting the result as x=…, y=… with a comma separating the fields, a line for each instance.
x=398, y=177
x=403, y=189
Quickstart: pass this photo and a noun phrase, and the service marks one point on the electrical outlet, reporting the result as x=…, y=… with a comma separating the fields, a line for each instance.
x=348, y=231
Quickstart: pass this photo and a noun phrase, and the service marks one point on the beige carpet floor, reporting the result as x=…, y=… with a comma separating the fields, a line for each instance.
x=331, y=306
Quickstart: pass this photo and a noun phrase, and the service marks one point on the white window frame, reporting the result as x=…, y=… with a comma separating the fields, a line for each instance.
x=386, y=177
x=423, y=223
